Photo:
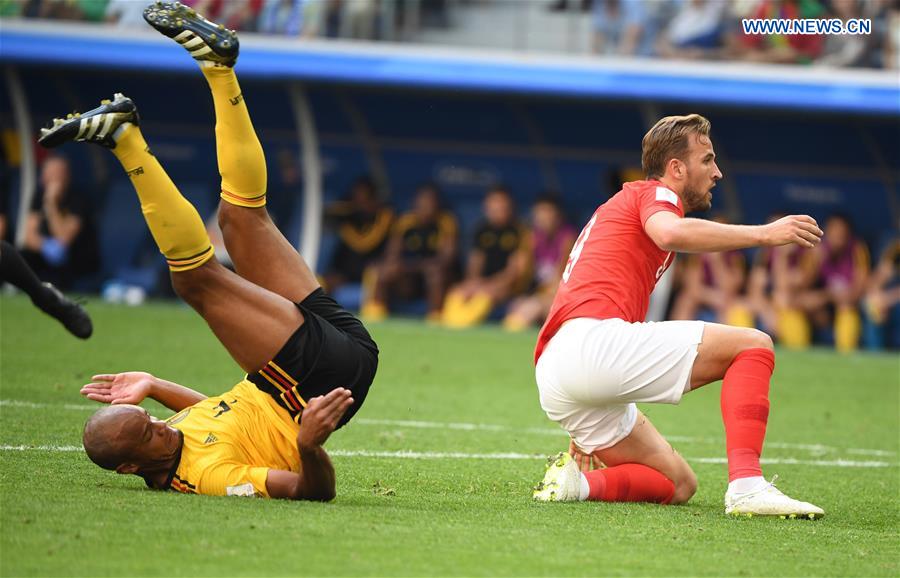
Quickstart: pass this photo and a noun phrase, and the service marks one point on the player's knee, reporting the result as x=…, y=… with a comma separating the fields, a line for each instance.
x=756, y=339
x=192, y=285
x=685, y=487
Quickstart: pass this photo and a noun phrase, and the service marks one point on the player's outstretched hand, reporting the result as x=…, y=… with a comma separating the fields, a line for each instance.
x=117, y=388
x=797, y=229
x=321, y=416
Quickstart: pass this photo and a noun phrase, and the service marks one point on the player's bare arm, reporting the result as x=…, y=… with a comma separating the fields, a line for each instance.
x=673, y=233
x=133, y=387
x=316, y=479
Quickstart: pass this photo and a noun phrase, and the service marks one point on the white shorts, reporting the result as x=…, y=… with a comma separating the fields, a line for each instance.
x=593, y=371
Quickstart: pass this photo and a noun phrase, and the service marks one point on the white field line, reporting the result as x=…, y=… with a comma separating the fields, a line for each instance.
x=412, y=455
x=815, y=449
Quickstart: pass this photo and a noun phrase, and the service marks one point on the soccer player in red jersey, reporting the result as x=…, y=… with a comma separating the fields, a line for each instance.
x=596, y=357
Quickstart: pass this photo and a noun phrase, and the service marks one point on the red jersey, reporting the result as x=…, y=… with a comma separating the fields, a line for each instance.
x=614, y=264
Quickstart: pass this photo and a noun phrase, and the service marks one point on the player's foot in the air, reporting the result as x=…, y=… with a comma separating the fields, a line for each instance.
x=206, y=41
x=70, y=314
x=562, y=481
x=769, y=501
x=96, y=126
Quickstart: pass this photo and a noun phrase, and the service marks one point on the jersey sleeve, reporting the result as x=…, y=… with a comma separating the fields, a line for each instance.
x=234, y=479
x=656, y=199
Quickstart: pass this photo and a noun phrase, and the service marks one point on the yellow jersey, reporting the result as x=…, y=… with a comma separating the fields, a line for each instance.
x=231, y=441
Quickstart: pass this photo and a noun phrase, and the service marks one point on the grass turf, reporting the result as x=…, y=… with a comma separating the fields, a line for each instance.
x=62, y=516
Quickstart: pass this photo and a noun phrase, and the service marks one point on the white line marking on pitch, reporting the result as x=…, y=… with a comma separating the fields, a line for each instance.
x=816, y=449
x=412, y=455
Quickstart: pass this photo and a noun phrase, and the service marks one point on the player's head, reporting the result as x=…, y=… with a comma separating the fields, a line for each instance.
x=547, y=213
x=127, y=439
x=427, y=203
x=499, y=208
x=678, y=151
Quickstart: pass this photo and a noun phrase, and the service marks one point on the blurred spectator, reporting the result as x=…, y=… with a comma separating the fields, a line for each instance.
x=841, y=265
x=551, y=241
x=892, y=38
x=419, y=258
x=358, y=19
x=696, y=31
x=627, y=27
x=778, y=275
x=60, y=240
x=780, y=48
x=281, y=17
x=127, y=13
x=851, y=50
x=321, y=18
x=92, y=10
x=713, y=282
x=882, y=301
x=362, y=223
x=497, y=265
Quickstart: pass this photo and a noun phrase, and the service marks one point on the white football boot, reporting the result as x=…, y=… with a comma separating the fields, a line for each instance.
x=562, y=481
x=769, y=501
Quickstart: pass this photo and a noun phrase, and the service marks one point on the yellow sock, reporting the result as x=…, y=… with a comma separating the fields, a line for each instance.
x=173, y=221
x=242, y=163
x=847, y=329
x=515, y=323
x=476, y=309
x=793, y=329
x=452, y=312
x=739, y=316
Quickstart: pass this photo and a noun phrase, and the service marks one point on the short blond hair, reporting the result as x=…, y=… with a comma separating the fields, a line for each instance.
x=668, y=139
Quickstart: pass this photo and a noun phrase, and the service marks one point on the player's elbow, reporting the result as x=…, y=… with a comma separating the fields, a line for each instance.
x=669, y=239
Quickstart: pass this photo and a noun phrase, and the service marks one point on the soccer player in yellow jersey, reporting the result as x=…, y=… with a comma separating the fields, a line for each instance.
x=309, y=363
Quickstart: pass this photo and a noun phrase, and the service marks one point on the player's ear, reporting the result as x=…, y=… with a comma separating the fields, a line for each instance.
x=127, y=469
x=677, y=168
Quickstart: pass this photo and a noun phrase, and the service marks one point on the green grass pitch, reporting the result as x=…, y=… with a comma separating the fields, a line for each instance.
x=464, y=408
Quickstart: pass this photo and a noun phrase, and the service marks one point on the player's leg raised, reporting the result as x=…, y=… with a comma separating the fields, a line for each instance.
x=259, y=251
x=251, y=322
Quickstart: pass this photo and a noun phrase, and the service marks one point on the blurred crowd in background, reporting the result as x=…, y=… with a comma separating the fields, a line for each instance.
x=683, y=29
x=508, y=266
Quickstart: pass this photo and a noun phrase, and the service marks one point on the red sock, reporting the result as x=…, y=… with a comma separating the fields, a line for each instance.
x=745, y=410
x=629, y=483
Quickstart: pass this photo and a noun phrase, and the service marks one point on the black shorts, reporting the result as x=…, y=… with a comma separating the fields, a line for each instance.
x=331, y=349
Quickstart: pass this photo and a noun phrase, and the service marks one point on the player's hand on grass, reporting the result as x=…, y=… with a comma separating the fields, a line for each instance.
x=117, y=388
x=321, y=416
x=800, y=230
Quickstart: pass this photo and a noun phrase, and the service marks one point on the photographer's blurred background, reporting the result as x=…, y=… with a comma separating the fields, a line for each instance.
x=438, y=157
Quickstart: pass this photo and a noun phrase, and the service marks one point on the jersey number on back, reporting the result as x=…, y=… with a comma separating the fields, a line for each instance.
x=577, y=248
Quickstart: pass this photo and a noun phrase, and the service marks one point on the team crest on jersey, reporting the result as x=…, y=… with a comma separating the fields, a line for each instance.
x=664, y=194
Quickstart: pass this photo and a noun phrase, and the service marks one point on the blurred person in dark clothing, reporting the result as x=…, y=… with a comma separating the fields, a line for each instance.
x=362, y=223
x=60, y=239
x=497, y=267
x=419, y=257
